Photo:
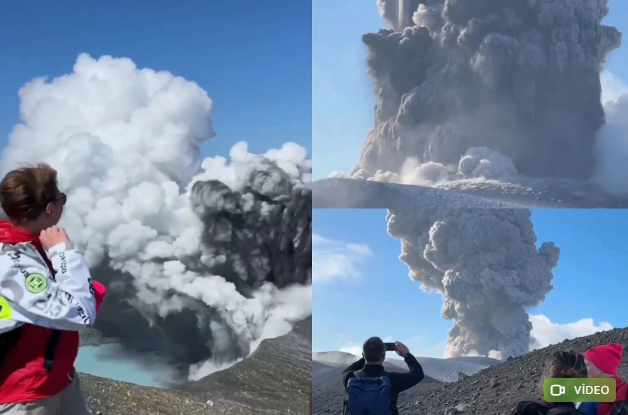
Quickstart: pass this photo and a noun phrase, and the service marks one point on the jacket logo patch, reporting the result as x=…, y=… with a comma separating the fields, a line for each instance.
x=36, y=283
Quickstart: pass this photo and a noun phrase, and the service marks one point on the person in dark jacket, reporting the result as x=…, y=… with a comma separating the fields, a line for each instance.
x=372, y=365
x=562, y=364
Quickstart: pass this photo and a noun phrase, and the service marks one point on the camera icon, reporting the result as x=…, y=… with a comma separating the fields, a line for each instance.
x=557, y=390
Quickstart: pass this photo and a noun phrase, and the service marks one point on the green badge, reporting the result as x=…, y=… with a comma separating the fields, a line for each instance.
x=36, y=283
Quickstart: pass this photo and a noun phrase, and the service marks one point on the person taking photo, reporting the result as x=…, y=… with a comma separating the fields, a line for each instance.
x=370, y=387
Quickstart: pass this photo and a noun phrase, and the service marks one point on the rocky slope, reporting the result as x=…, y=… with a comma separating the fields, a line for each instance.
x=274, y=380
x=277, y=377
x=498, y=387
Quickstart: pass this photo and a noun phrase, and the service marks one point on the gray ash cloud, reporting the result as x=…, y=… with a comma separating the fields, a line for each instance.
x=517, y=76
x=486, y=265
x=251, y=238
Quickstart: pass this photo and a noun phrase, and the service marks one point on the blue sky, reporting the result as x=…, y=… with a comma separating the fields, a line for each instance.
x=342, y=100
x=589, y=282
x=253, y=58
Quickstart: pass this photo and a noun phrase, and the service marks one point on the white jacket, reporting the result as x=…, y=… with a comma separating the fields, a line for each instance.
x=28, y=293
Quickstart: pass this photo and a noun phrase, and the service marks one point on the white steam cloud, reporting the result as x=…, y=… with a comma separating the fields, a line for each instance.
x=612, y=142
x=214, y=253
x=333, y=260
x=545, y=332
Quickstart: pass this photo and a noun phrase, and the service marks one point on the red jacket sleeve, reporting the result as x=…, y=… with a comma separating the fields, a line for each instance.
x=99, y=294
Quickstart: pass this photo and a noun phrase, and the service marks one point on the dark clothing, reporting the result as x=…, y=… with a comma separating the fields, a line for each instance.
x=536, y=408
x=399, y=382
x=589, y=408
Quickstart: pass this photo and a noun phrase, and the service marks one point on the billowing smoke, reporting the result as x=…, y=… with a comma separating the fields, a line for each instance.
x=612, y=144
x=209, y=256
x=396, y=12
x=486, y=265
x=516, y=79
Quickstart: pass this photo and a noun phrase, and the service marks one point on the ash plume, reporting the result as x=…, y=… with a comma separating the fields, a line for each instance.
x=612, y=146
x=517, y=79
x=207, y=256
x=486, y=265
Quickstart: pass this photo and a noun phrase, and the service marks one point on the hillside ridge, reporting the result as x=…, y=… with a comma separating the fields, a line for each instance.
x=499, y=387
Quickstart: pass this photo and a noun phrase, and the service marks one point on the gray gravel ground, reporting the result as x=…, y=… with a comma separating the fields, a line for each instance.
x=277, y=377
x=110, y=397
x=495, y=390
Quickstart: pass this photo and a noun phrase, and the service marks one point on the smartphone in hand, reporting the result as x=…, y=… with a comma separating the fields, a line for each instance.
x=390, y=347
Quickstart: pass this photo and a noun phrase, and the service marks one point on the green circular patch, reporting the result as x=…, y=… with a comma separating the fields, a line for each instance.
x=36, y=283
